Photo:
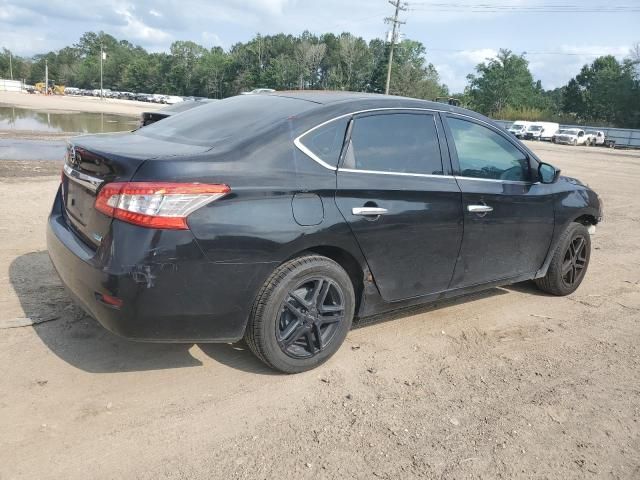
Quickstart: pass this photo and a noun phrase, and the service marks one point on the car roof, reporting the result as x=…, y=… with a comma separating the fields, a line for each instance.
x=370, y=101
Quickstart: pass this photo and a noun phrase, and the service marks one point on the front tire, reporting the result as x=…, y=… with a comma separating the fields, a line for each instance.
x=302, y=314
x=569, y=263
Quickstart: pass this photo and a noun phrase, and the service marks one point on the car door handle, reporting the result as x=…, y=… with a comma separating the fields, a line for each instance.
x=368, y=211
x=479, y=208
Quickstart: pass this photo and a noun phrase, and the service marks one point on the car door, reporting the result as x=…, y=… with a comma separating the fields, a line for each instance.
x=508, y=217
x=401, y=203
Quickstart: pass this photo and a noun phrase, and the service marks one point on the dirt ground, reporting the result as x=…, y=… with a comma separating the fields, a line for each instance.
x=508, y=384
x=76, y=104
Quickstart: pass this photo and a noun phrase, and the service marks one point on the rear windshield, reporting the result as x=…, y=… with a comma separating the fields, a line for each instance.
x=228, y=119
x=183, y=106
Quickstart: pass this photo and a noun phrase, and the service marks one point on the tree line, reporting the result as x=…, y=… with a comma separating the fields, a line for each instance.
x=283, y=62
x=605, y=92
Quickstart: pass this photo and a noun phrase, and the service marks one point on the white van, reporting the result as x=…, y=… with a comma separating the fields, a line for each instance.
x=519, y=128
x=541, y=131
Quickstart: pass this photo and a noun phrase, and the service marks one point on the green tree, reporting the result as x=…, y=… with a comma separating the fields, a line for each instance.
x=504, y=81
x=18, y=66
x=606, y=91
x=411, y=76
x=185, y=57
x=572, y=99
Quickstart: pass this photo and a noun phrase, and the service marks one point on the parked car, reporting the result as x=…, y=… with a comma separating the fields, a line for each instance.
x=541, y=131
x=147, y=118
x=572, y=136
x=519, y=128
x=278, y=218
x=143, y=97
x=257, y=91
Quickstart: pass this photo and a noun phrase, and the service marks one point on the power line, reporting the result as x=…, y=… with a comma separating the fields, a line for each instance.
x=511, y=8
x=393, y=20
x=526, y=52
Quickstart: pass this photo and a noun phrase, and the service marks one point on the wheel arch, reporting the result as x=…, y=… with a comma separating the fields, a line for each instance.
x=586, y=219
x=346, y=260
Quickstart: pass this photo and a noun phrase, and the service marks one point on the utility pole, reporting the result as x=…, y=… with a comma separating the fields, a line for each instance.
x=400, y=6
x=46, y=77
x=101, y=59
x=10, y=66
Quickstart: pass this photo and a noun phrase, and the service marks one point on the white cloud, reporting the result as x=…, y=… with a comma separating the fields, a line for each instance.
x=555, y=70
x=136, y=29
x=477, y=56
x=211, y=39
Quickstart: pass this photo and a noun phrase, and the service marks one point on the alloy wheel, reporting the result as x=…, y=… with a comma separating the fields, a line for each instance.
x=575, y=261
x=309, y=317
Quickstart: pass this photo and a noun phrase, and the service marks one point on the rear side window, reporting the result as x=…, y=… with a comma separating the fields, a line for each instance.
x=398, y=142
x=483, y=153
x=325, y=142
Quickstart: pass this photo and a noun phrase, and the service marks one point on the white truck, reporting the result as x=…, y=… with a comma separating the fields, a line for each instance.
x=519, y=128
x=541, y=131
x=599, y=139
x=572, y=136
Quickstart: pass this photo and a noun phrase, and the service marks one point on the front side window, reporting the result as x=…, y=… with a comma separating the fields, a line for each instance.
x=397, y=143
x=483, y=153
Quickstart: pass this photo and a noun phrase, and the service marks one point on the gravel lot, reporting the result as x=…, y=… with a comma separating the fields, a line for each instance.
x=505, y=384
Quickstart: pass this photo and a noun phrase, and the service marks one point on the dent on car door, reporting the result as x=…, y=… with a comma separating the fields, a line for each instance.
x=508, y=217
x=401, y=203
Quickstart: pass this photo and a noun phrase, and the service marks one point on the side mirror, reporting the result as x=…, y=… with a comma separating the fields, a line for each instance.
x=547, y=173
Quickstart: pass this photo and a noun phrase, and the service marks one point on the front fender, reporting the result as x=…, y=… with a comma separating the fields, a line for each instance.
x=570, y=205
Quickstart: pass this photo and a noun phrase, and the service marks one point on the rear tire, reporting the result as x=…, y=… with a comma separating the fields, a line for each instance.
x=302, y=314
x=569, y=263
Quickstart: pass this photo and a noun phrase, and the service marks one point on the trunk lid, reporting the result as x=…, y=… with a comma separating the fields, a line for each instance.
x=95, y=160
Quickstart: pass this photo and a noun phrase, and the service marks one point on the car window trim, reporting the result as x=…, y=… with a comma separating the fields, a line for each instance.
x=300, y=146
x=454, y=152
x=386, y=111
x=404, y=174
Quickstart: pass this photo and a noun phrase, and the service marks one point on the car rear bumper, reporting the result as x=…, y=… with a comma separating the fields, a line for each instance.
x=170, y=291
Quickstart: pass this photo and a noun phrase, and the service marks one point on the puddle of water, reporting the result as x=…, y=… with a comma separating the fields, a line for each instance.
x=32, y=149
x=14, y=118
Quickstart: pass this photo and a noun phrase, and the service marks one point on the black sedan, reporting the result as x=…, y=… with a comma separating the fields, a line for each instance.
x=279, y=218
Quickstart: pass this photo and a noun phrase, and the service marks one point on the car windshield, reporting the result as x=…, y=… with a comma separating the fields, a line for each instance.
x=535, y=128
x=517, y=126
x=234, y=117
x=572, y=131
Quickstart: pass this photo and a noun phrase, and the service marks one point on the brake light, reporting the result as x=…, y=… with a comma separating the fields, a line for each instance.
x=156, y=205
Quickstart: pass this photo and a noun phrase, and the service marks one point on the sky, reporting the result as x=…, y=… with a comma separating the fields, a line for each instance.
x=559, y=37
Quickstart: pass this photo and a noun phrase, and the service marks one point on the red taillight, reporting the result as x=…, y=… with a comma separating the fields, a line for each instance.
x=109, y=300
x=156, y=205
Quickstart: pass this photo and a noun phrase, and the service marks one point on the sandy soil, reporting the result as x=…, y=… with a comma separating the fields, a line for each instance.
x=505, y=384
x=76, y=104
